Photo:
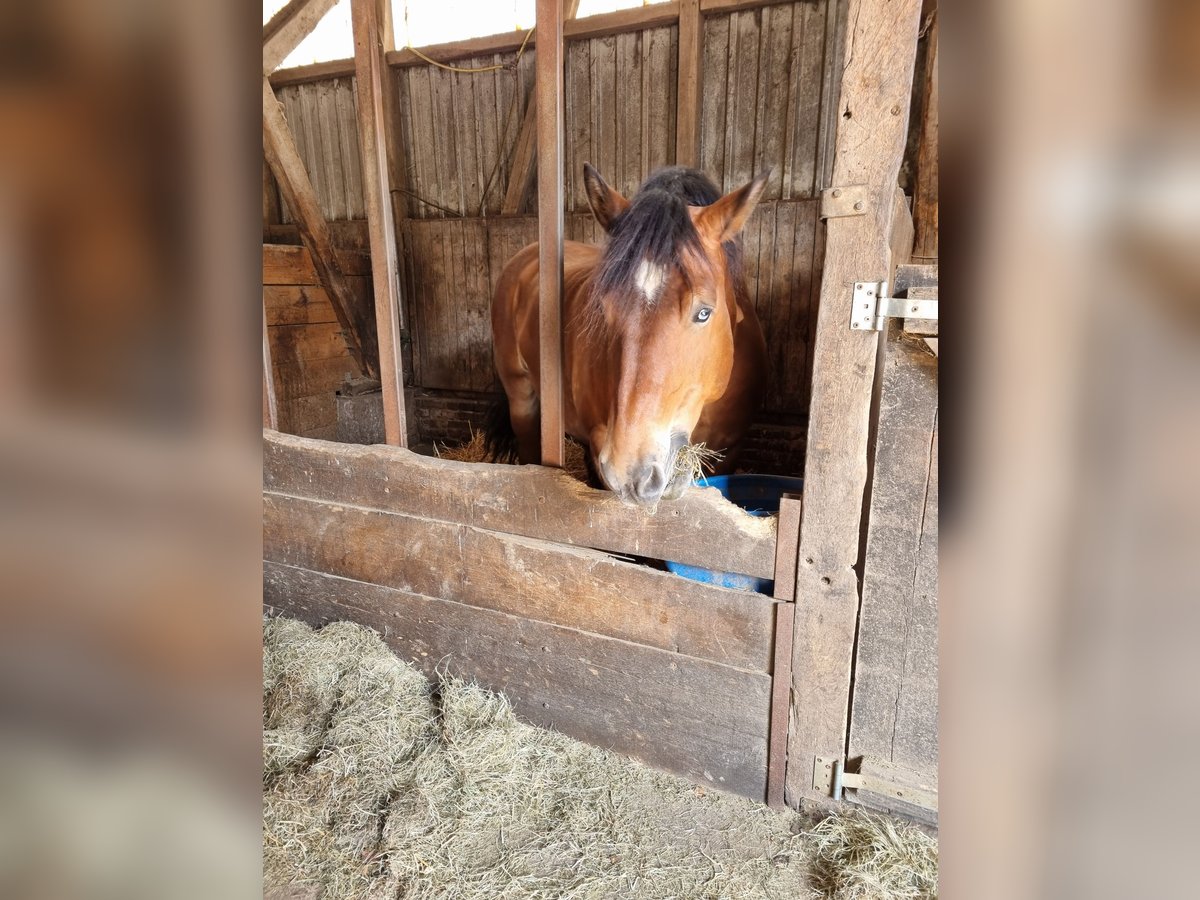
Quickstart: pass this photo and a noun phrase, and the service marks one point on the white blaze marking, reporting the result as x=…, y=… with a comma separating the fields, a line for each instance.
x=650, y=278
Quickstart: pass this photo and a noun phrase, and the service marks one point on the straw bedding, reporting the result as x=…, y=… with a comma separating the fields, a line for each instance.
x=377, y=785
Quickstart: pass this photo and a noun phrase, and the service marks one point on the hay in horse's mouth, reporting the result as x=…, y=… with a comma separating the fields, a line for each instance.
x=693, y=459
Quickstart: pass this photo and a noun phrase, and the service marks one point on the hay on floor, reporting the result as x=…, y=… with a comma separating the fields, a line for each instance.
x=861, y=856
x=695, y=460
x=377, y=786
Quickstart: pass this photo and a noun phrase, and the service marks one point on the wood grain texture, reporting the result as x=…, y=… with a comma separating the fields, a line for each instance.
x=701, y=528
x=694, y=718
x=549, y=582
x=691, y=60
x=788, y=538
x=270, y=402
x=297, y=190
x=371, y=74
x=289, y=27
x=925, y=193
x=894, y=711
x=874, y=96
x=550, y=128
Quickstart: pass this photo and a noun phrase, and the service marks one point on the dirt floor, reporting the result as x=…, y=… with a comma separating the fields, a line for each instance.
x=377, y=785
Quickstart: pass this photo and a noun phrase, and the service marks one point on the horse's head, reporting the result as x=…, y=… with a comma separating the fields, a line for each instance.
x=664, y=302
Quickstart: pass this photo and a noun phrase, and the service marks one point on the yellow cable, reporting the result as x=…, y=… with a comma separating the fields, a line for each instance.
x=434, y=62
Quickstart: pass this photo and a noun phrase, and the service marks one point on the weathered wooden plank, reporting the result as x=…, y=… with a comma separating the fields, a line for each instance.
x=745, y=38
x=578, y=120
x=781, y=671
x=925, y=193
x=370, y=71
x=297, y=305
x=628, y=107
x=292, y=264
x=774, y=96
x=289, y=27
x=308, y=343
x=296, y=188
x=654, y=15
x=698, y=719
x=809, y=51
x=875, y=89
x=549, y=91
x=894, y=712
x=521, y=175
x=344, y=109
x=691, y=58
x=309, y=416
x=270, y=401
x=577, y=588
x=307, y=378
x=660, y=90
x=700, y=528
x=716, y=92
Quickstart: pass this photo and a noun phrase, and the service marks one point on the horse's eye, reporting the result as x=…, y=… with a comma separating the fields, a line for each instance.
x=703, y=314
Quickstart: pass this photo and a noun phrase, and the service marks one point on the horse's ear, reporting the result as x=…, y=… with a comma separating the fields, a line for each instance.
x=606, y=203
x=722, y=221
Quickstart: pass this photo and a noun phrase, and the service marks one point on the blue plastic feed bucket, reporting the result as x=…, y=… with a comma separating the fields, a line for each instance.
x=759, y=495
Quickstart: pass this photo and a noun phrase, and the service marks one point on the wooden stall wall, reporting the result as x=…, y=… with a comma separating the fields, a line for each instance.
x=308, y=352
x=673, y=672
x=764, y=104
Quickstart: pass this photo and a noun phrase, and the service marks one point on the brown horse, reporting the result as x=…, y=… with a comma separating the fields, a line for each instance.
x=661, y=345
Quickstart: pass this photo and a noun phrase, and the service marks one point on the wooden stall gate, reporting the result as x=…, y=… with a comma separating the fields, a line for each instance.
x=515, y=577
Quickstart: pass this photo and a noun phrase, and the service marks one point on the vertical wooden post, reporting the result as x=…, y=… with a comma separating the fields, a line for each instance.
x=370, y=70
x=691, y=61
x=297, y=191
x=270, y=405
x=786, y=541
x=549, y=88
x=876, y=86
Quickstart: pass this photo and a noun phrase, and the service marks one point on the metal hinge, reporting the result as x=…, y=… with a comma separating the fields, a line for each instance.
x=872, y=307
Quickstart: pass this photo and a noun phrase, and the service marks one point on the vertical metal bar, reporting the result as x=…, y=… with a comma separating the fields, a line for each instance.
x=549, y=87
x=370, y=70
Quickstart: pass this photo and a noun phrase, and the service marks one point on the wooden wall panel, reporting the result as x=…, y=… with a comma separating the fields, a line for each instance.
x=762, y=97
x=309, y=356
x=322, y=119
x=766, y=80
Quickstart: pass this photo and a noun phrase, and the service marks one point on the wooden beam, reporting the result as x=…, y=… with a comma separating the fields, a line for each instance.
x=701, y=528
x=525, y=154
x=636, y=19
x=549, y=87
x=788, y=531
x=270, y=404
x=371, y=70
x=522, y=577
x=876, y=86
x=698, y=719
x=297, y=191
x=289, y=27
x=925, y=193
x=691, y=60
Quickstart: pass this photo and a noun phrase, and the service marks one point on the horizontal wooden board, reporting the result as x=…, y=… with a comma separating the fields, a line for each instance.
x=297, y=304
x=287, y=264
x=700, y=528
x=569, y=586
x=694, y=718
x=314, y=377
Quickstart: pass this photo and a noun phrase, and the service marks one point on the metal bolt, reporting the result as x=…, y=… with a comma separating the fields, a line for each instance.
x=870, y=293
x=853, y=324
x=837, y=192
x=896, y=110
x=858, y=287
x=858, y=205
x=914, y=309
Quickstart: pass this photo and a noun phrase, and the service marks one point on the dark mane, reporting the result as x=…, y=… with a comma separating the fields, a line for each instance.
x=656, y=228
